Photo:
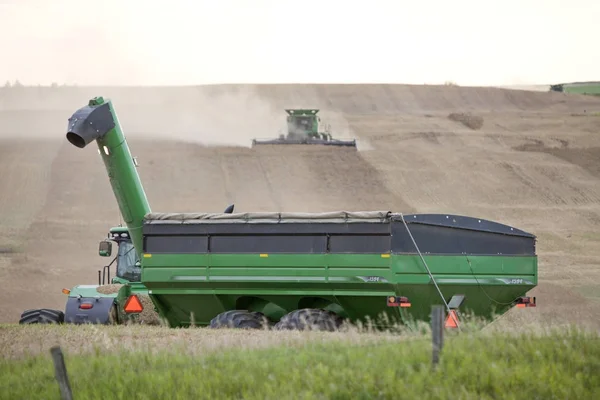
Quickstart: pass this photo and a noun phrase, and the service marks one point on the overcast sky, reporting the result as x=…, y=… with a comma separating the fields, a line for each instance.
x=131, y=42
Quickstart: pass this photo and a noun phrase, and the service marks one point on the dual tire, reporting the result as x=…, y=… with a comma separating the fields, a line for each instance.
x=303, y=319
x=240, y=319
x=310, y=319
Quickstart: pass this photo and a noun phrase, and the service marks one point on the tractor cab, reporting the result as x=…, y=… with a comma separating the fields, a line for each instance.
x=128, y=268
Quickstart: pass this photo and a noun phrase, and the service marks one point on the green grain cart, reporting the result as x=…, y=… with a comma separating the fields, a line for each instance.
x=303, y=128
x=308, y=270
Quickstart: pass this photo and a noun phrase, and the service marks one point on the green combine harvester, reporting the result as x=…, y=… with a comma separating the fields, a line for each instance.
x=304, y=270
x=303, y=128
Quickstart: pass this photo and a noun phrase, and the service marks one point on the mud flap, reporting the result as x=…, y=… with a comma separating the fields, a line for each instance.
x=98, y=313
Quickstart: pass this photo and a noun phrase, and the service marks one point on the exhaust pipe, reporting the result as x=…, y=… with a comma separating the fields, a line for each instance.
x=98, y=122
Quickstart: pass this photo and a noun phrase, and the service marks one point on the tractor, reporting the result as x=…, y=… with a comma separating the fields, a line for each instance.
x=105, y=302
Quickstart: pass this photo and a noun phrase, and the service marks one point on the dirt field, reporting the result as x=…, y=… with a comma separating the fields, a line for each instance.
x=532, y=160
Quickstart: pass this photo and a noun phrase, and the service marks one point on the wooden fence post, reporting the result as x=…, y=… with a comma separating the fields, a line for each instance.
x=437, y=332
x=60, y=372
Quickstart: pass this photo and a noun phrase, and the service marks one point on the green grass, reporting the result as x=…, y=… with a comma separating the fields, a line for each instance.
x=560, y=365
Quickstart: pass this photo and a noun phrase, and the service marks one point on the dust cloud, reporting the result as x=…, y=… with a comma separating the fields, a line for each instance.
x=207, y=115
x=230, y=118
x=204, y=115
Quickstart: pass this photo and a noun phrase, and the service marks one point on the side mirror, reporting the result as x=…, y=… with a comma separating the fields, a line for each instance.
x=105, y=248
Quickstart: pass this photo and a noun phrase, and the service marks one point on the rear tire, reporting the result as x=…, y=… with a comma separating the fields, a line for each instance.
x=240, y=319
x=310, y=319
x=113, y=318
x=42, y=316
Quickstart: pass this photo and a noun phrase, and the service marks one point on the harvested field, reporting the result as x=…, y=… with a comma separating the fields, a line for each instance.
x=529, y=163
x=37, y=340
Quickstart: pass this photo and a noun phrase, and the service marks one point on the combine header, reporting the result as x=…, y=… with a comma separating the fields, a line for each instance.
x=303, y=128
x=308, y=270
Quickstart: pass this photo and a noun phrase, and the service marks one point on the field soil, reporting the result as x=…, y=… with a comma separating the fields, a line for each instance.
x=525, y=158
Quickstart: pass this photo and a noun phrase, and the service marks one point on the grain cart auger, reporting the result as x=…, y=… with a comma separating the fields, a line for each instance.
x=303, y=128
x=310, y=270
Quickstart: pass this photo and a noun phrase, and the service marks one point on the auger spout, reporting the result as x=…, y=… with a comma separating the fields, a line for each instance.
x=98, y=121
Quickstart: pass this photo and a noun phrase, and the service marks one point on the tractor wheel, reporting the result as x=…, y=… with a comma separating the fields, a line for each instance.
x=310, y=319
x=240, y=319
x=113, y=318
x=42, y=316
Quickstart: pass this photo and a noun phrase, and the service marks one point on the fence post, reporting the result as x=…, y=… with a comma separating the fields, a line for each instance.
x=60, y=372
x=437, y=332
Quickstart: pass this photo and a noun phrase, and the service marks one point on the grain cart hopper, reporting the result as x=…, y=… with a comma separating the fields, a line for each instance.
x=303, y=128
x=299, y=270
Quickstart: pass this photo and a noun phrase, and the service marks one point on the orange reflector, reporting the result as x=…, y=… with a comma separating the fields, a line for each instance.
x=521, y=305
x=86, y=306
x=452, y=320
x=133, y=304
x=66, y=291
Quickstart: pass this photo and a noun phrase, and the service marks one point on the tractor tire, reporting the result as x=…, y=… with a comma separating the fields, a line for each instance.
x=113, y=317
x=240, y=319
x=310, y=319
x=42, y=316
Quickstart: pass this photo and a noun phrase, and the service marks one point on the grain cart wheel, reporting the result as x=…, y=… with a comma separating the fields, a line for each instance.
x=42, y=316
x=240, y=319
x=310, y=319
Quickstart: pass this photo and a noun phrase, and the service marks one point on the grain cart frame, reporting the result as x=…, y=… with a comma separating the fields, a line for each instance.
x=302, y=270
x=303, y=128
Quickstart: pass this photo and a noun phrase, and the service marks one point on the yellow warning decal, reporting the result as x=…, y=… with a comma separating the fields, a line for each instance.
x=147, y=255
